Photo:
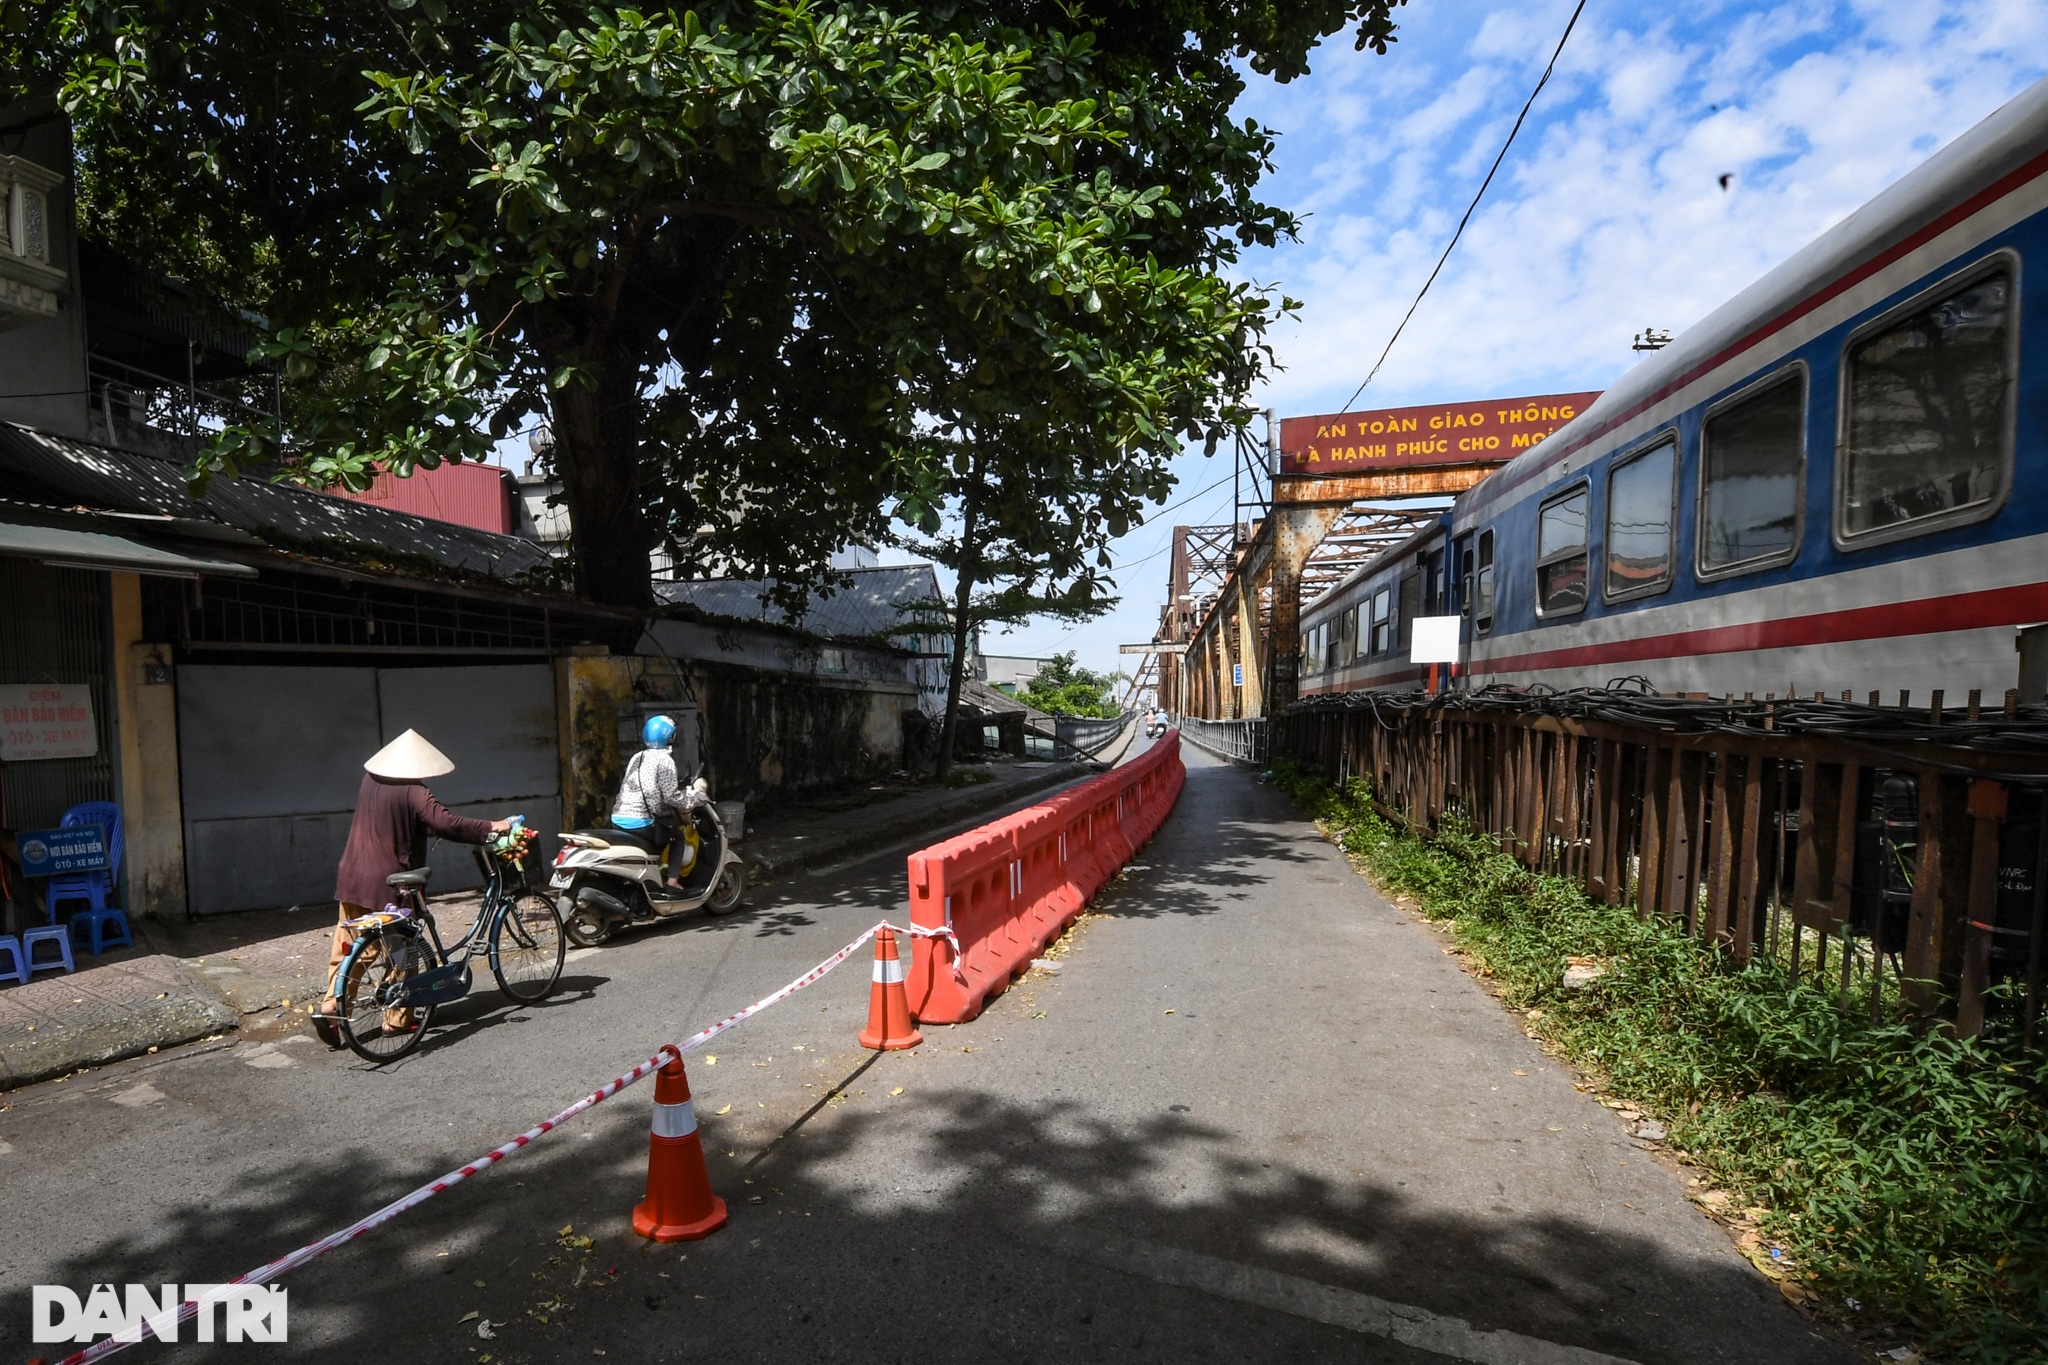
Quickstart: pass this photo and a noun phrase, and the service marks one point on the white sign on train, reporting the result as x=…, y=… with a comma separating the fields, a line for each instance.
x=1435, y=640
x=46, y=720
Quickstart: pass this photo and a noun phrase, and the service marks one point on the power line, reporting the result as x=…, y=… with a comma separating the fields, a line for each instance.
x=1074, y=629
x=1541, y=81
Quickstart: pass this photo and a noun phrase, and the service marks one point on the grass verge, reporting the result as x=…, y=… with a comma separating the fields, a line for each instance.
x=1902, y=1174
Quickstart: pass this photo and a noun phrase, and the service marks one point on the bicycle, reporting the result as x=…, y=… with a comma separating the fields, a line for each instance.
x=398, y=971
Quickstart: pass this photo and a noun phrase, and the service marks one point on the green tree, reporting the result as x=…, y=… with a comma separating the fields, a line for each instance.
x=744, y=260
x=1061, y=688
x=1025, y=530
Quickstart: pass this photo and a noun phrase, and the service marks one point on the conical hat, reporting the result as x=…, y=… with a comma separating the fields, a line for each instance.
x=408, y=759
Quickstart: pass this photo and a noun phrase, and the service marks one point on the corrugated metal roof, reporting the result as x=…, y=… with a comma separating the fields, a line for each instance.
x=878, y=603
x=60, y=472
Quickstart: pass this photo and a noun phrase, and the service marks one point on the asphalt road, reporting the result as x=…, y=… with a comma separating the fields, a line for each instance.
x=1258, y=1115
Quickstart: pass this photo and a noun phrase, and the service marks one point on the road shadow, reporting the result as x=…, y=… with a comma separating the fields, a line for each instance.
x=973, y=1215
x=487, y=1007
x=1215, y=851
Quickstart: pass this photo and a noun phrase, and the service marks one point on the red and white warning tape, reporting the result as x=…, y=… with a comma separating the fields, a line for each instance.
x=290, y=1261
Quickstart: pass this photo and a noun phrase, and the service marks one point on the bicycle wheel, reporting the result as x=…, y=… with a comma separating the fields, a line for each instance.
x=527, y=947
x=376, y=1027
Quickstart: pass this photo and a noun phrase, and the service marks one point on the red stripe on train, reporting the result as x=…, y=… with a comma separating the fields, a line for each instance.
x=1927, y=616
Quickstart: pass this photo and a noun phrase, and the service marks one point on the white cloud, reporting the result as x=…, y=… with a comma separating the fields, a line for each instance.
x=1608, y=214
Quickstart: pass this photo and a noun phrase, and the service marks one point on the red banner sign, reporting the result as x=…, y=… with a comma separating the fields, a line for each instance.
x=1436, y=433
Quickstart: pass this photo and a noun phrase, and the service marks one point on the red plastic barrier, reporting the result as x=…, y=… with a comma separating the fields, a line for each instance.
x=1012, y=886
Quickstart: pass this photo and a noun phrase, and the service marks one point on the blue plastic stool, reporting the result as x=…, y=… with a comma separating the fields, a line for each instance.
x=99, y=930
x=10, y=948
x=55, y=934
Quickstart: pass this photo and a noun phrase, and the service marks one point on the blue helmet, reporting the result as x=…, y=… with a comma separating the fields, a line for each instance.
x=657, y=732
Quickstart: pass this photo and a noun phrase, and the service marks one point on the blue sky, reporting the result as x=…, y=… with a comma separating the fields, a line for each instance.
x=1608, y=215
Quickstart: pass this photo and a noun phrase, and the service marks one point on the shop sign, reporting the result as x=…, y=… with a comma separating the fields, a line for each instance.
x=46, y=720
x=48, y=852
x=1495, y=430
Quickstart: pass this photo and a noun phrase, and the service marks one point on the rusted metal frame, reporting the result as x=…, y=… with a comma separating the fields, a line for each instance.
x=1542, y=778
x=1781, y=803
x=1682, y=843
x=1652, y=877
x=1828, y=749
x=1504, y=739
x=1815, y=815
x=1571, y=768
x=1987, y=808
x=1600, y=877
x=1955, y=892
x=1746, y=930
x=1721, y=852
x=1632, y=845
x=1854, y=801
x=1569, y=852
x=1528, y=839
x=1923, y=917
x=1505, y=817
x=1439, y=769
x=2038, y=928
x=1496, y=781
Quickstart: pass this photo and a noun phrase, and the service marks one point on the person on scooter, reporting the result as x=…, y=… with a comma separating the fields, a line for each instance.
x=653, y=803
x=394, y=815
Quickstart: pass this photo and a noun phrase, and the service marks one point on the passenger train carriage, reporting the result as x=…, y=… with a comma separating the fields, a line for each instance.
x=1836, y=481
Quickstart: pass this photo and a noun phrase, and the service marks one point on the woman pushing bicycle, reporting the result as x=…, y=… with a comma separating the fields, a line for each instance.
x=394, y=815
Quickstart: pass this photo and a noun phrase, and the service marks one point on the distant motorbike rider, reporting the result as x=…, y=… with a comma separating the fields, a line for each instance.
x=653, y=802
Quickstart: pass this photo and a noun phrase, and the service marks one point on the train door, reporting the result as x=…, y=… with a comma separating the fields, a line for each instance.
x=1459, y=586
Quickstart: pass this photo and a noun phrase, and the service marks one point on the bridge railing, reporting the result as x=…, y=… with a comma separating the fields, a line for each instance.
x=1241, y=740
x=1907, y=843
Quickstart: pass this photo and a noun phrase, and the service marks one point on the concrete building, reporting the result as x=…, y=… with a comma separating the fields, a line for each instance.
x=223, y=662
x=1006, y=673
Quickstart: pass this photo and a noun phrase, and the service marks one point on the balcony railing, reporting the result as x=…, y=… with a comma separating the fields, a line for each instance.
x=132, y=406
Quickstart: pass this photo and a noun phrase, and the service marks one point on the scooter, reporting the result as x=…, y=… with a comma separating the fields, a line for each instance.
x=605, y=880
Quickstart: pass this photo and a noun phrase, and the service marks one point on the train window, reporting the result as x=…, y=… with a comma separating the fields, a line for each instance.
x=1411, y=607
x=1382, y=620
x=1482, y=593
x=1640, y=515
x=1561, y=553
x=1927, y=413
x=1347, y=650
x=1752, y=453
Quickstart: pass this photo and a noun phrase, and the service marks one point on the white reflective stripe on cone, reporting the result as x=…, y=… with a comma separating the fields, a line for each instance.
x=675, y=1120
x=888, y=971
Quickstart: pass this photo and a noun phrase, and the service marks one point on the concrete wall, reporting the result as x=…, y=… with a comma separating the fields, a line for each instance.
x=44, y=361
x=146, y=712
x=772, y=724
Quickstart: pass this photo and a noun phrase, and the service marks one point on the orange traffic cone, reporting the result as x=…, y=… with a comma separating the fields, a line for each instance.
x=889, y=1026
x=679, y=1206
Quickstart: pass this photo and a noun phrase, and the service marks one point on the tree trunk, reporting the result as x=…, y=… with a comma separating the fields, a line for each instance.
x=597, y=456
x=963, y=621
